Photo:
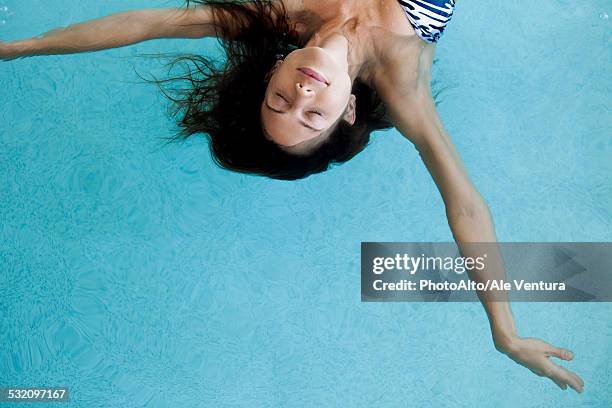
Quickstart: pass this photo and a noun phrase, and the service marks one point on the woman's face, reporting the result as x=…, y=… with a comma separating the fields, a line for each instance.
x=308, y=92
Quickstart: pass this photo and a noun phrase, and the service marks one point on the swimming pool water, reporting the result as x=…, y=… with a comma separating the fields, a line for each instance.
x=142, y=275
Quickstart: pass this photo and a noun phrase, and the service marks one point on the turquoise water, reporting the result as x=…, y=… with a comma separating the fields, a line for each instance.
x=142, y=275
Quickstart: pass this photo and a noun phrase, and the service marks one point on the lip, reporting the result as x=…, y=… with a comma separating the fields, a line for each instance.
x=309, y=72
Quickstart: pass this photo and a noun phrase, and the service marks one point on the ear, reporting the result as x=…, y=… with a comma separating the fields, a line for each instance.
x=350, y=113
x=273, y=69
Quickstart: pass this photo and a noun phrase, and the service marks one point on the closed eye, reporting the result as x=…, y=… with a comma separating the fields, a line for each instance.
x=282, y=97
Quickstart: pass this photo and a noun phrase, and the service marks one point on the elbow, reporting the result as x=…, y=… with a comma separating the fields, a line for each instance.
x=474, y=208
x=471, y=222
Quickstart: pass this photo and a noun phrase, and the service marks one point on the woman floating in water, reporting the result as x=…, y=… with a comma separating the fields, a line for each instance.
x=304, y=85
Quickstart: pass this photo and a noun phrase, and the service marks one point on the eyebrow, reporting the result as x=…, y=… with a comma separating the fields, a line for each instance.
x=306, y=125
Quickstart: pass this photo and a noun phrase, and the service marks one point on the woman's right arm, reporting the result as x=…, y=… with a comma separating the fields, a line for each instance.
x=115, y=30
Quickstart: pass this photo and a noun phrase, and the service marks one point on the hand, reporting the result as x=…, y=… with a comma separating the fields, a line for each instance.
x=12, y=50
x=7, y=51
x=534, y=354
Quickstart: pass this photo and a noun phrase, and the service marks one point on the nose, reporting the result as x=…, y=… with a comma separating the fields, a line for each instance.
x=304, y=89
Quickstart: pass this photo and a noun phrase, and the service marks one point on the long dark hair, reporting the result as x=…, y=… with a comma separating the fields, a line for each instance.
x=222, y=101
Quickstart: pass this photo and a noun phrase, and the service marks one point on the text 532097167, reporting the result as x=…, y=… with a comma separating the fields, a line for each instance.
x=38, y=394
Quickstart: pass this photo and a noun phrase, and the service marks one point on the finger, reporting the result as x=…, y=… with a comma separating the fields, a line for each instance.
x=563, y=354
x=576, y=383
x=564, y=376
x=561, y=384
x=579, y=379
x=580, y=387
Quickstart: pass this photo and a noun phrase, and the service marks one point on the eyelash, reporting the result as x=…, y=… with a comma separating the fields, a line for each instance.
x=316, y=112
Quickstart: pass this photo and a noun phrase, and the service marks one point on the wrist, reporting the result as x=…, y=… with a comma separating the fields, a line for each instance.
x=502, y=325
x=27, y=47
x=504, y=340
x=16, y=49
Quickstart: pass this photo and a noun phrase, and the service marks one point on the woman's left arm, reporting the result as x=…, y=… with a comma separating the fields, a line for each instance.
x=406, y=94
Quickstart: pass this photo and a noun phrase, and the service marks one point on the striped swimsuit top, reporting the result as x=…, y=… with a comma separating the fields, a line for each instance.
x=428, y=17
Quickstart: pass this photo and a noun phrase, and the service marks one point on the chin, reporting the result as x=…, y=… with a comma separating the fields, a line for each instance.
x=314, y=57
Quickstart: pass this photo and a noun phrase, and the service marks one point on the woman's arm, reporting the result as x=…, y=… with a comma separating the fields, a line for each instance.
x=115, y=30
x=407, y=95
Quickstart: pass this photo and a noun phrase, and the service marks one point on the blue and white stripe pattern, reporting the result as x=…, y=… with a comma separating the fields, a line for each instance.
x=429, y=17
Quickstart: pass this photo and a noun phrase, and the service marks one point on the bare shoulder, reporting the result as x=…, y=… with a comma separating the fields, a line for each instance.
x=402, y=69
x=402, y=81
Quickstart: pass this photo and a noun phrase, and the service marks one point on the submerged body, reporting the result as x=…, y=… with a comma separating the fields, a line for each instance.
x=385, y=44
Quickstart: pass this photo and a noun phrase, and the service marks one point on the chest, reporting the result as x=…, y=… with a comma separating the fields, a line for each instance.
x=387, y=14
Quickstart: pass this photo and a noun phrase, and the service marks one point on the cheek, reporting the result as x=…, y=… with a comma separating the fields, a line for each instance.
x=338, y=99
x=281, y=74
